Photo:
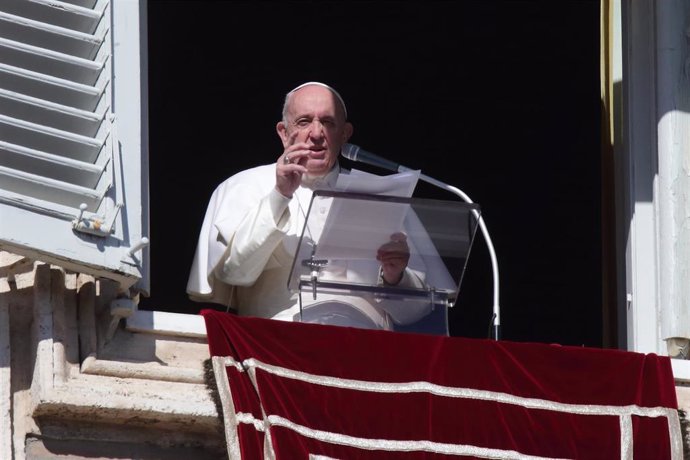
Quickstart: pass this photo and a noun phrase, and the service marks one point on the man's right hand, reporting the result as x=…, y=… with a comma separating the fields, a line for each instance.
x=289, y=169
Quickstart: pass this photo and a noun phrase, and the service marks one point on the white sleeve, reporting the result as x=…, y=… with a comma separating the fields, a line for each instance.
x=244, y=218
x=250, y=242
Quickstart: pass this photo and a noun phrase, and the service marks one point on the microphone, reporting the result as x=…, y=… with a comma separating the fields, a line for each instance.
x=356, y=153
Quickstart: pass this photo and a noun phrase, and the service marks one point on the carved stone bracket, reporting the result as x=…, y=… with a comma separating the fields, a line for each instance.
x=68, y=376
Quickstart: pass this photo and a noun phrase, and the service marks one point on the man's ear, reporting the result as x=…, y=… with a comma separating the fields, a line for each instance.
x=347, y=131
x=282, y=133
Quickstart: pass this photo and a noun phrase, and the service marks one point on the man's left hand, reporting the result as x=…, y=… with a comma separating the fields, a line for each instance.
x=394, y=256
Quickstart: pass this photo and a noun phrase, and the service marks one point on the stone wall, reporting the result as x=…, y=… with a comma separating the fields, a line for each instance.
x=76, y=382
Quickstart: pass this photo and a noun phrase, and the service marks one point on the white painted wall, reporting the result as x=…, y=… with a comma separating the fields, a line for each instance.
x=653, y=155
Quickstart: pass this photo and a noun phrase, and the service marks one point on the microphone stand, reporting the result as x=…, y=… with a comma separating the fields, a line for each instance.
x=496, y=318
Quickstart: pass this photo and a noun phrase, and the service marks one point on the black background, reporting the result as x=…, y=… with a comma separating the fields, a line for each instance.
x=498, y=98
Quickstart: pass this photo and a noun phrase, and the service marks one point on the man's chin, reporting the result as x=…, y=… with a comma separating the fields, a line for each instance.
x=317, y=168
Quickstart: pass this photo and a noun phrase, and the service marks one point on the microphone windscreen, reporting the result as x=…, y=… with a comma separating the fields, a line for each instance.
x=350, y=151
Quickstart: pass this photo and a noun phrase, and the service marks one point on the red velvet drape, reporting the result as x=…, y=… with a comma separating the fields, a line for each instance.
x=353, y=393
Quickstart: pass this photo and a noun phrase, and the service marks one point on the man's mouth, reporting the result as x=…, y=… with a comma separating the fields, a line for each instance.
x=317, y=152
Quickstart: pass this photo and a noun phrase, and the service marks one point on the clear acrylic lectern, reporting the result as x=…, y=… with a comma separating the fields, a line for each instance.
x=337, y=276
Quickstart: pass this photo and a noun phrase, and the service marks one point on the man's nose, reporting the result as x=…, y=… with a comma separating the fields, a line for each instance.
x=316, y=129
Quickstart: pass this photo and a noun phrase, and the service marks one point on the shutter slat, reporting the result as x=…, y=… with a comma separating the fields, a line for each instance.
x=55, y=12
x=53, y=166
x=47, y=113
x=53, y=63
x=44, y=188
x=49, y=36
x=83, y=3
x=48, y=139
x=49, y=88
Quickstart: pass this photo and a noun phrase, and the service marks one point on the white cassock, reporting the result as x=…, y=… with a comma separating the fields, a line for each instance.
x=245, y=251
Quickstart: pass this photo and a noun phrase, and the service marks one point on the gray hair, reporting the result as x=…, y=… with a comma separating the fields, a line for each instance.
x=288, y=96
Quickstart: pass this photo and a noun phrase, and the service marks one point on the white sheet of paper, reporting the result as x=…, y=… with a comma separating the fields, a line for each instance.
x=399, y=184
x=355, y=229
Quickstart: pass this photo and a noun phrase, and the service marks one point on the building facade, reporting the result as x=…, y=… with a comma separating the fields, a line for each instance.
x=84, y=373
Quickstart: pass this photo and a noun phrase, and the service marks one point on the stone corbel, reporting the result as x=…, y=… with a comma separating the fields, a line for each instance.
x=78, y=376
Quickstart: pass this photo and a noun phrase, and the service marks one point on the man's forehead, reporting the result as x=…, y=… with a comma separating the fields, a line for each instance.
x=331, y=90
x=307, y=101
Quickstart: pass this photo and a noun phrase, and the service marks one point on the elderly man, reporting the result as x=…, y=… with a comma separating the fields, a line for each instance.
x=254, y=220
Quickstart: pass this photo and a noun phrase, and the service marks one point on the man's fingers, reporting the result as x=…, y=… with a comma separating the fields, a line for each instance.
x=292, y=137
x=398, y=237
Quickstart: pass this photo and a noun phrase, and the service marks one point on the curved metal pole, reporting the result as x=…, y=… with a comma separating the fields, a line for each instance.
x=496, y=319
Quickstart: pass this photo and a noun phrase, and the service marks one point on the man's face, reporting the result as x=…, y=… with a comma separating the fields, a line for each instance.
x=315, y=117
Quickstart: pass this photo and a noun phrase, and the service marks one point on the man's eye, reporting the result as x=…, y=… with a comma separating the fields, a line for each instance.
x=329, y=123
x=302, y=122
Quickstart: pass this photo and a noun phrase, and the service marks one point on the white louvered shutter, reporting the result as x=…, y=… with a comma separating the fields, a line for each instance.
x=73, y=187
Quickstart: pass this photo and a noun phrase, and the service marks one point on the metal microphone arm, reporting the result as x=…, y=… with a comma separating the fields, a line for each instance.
x=492, y=253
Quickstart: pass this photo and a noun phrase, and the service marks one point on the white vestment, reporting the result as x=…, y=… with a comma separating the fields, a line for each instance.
x=245, y=251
